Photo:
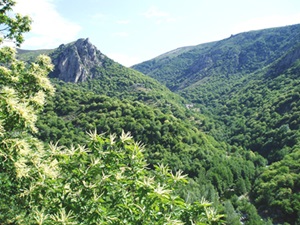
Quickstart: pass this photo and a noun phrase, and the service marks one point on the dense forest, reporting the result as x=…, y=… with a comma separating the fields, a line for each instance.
x=248, y=85
x=205, y=134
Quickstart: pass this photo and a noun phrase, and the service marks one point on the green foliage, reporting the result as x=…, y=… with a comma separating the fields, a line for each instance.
x=277, y=189
x=12, y=25
x=108, y=183
x=249, y=214
x=168, y=130
x=118, y=98
x=104, y=183
x=31, y=55
x=232, y=216
x=223, y=60
x=171, y=138
x=248, y=85
x=23, y=89
x=244, y=93
x=262, y=114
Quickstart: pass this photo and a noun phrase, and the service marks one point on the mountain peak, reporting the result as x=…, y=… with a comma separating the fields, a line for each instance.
x=75, y=62
x=84, y=42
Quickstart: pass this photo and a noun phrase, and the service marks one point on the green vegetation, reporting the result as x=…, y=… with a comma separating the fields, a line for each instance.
x=104, y=182
x=261, y=110
x=232, y=127
x=12, y=25
x=248, y=87
x=170, y=137
x=222, y=61
x=31, y=55
x=276, y=192
x=156, y=117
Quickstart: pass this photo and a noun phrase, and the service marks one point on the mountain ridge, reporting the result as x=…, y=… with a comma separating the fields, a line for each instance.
x=207, y=59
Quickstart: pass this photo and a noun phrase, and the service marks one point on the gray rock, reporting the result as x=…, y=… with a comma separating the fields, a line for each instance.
x=76, y=62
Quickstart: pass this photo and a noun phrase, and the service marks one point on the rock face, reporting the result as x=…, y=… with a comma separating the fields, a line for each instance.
x=77, y=61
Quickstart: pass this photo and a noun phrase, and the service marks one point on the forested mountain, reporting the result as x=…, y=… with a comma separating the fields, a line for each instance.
x=238, y=55
x=249, y=85
x=93, y=92
x=117, y=98
x=229, y=107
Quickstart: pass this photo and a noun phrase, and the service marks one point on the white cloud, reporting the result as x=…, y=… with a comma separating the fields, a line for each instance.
x=160, y=16
x=49, y=28
x=123, y=59
x=265, y=22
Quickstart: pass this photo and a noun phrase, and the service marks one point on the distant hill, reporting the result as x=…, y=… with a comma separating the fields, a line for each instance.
x=30, y=55
x=237, y=55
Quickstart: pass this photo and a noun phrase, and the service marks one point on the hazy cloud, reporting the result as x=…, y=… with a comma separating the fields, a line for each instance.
x=49, y=28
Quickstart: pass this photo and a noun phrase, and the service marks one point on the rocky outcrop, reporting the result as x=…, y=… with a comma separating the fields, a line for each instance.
x=285, y=63
x=76, y=62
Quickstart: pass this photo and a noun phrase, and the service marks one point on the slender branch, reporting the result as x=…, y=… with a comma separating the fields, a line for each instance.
x=6, y=28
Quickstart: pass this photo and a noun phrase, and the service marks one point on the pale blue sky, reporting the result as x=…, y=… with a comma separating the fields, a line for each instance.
x=132, y=31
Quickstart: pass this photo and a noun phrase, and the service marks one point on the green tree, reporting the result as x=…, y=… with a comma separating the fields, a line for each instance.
x=23, y=89
x=12, y=26
x=276, y=189
x=232, y=216
x=107, y=182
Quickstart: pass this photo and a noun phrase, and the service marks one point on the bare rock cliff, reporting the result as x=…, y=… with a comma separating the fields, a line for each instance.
x=76, y=62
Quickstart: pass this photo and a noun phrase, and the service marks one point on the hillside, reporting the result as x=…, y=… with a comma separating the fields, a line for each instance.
x=230, y=99
x=249, y=85
x=250, y=78
x=94, y=92
x=235, y=56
